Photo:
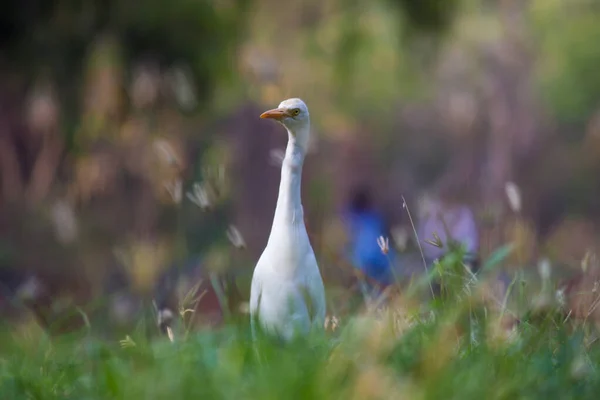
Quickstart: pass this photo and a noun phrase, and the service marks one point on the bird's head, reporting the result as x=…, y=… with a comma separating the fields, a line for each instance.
x=293, y=114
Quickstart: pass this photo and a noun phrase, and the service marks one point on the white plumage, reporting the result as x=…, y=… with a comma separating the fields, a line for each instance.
x=287, y=296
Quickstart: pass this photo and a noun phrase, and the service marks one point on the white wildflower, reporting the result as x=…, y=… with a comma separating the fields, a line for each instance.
x=235, y=237
x=560, y=297
x=64, y=221
x=331, y=322
x=170, y=334
x=164, y=149
x=384, y=244
x=513, y=195
x=175, y=189
x=199, y=196
x=544, y=269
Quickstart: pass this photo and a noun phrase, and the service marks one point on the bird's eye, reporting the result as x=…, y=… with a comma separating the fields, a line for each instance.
x=295, y=112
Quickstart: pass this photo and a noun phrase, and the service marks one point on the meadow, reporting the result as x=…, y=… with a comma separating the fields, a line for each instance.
x=131, y=140
x=458, y=345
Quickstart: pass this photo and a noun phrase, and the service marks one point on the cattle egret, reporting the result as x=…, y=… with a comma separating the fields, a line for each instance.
x=287, y=296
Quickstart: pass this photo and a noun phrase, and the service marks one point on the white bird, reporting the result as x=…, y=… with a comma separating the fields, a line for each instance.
x=287, y=296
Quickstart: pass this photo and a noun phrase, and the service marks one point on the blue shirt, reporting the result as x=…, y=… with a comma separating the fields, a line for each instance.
x=364, y=228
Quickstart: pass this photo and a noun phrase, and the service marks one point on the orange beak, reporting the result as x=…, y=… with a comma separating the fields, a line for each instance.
x=276, y=114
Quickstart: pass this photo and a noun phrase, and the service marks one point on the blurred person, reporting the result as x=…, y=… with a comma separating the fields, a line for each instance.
x=364, y=225
x=447, y=218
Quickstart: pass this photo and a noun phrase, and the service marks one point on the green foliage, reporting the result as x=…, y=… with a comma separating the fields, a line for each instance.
x=192, y=32
x=568, y=33
x=498, y=256
x=53, y=37
x=429, y=16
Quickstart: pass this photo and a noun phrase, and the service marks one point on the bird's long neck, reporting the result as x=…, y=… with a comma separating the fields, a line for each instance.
x=289, y=203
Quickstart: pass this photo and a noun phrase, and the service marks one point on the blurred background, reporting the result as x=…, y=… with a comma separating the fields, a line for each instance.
x=133, y=161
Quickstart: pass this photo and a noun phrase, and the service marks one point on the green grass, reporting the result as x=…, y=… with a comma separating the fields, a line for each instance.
x=361, y=361
x=446, y=350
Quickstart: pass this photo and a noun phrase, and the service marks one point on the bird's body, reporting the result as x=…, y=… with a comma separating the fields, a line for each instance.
x=287, y=294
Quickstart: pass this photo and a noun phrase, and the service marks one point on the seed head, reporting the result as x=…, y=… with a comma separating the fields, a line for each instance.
x=384, y=244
